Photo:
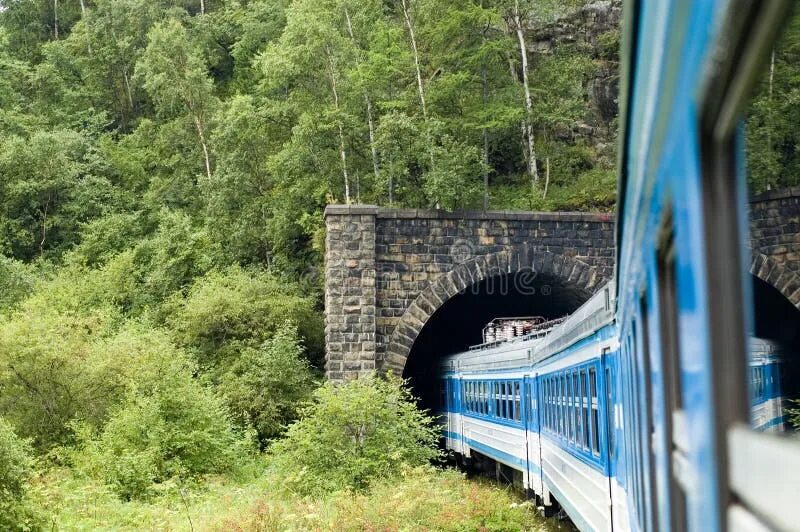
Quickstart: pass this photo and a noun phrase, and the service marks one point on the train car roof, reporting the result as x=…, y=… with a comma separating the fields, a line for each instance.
x=593, y=315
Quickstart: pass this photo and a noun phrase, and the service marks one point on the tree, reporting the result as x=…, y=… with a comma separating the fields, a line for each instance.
x=50, y=185
x=174, y=74
x=16, y=467
x=353, y=435
x=267, y=385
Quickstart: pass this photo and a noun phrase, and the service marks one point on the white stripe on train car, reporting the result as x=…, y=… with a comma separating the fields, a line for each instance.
x=619, y=499
x=581, y=489
x=500, y=442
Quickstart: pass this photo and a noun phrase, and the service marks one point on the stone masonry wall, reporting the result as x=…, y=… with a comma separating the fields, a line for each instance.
x=350, y=293
x=378, y=260
x=775, y=226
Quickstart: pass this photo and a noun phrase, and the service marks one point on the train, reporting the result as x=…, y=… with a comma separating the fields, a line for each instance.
x=652, y=407
x=545, y=405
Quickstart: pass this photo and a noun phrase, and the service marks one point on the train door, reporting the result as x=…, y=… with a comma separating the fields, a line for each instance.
x=606, y=365
x=534, y=449
x=454, y=423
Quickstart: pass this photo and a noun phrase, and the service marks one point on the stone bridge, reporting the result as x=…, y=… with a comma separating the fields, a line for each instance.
x=389, y=270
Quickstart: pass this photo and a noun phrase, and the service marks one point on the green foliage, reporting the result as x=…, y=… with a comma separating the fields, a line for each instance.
x=266, y=386
x=794, y=414
x=50, y=374
x=16, y=467
x=163, y=424
x=227, y=311
x=50, y=187
x=421, y=498
x=353, y=435
x=773, y=160
x=16, y=281
x=173, y=429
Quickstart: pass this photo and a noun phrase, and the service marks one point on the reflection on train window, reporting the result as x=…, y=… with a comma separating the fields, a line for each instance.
x=772, y=141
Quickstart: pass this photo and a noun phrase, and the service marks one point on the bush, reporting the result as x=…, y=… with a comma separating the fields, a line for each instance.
x=266, y=386
x=794, y=414
x=354, y=434
x=228, y=311
x=15, y=469
x=170, y=425
x=16, y=281
x=50, y=373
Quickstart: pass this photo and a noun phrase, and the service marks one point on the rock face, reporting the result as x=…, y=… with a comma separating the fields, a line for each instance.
x=593, y=30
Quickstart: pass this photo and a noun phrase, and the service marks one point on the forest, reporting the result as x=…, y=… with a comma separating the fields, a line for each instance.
x=164, y=165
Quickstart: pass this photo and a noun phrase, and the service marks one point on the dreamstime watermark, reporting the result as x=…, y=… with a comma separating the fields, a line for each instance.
x=456, y=269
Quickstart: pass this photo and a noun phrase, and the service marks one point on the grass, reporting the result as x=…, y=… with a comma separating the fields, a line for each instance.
x=422, y=499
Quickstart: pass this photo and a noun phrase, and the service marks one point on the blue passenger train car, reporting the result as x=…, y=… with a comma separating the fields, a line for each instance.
x=651, y=408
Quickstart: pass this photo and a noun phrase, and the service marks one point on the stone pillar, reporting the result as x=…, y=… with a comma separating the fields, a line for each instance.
x=349, y=291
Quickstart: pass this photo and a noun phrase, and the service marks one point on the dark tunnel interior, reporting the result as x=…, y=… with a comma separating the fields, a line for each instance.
x=459, y=322
x=776, y=319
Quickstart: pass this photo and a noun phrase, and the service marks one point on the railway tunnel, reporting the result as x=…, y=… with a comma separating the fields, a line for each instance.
x=458, y=323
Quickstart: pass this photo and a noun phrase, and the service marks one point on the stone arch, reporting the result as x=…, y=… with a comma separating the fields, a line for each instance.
x=571, y=271
x=786, y=281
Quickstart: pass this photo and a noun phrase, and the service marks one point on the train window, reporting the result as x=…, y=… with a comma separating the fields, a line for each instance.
x=512, y=405
x=595, y=418
x=507, y=413
x=584, y=409
x=517, y=402
x=563, y=412
x=507, y=405
x=557, y=404
x=496, y=398
x=754, y=463
x=610, y=414
x=546, y=402
x=550, y=425
x=670, y=368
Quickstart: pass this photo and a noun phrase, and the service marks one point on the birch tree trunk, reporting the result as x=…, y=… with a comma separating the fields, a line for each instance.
x=370, y=122
x=202, y=7
x=83, y=16
x=128, y=89
x=198, y=123
x=485, y=132
x=532, y=170
x=410, y=26
x=339, y=127
x=55, y=19
x=546, y=176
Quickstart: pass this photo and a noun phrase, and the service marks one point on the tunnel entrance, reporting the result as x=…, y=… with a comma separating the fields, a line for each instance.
x=777, y=321
x=459, y=322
